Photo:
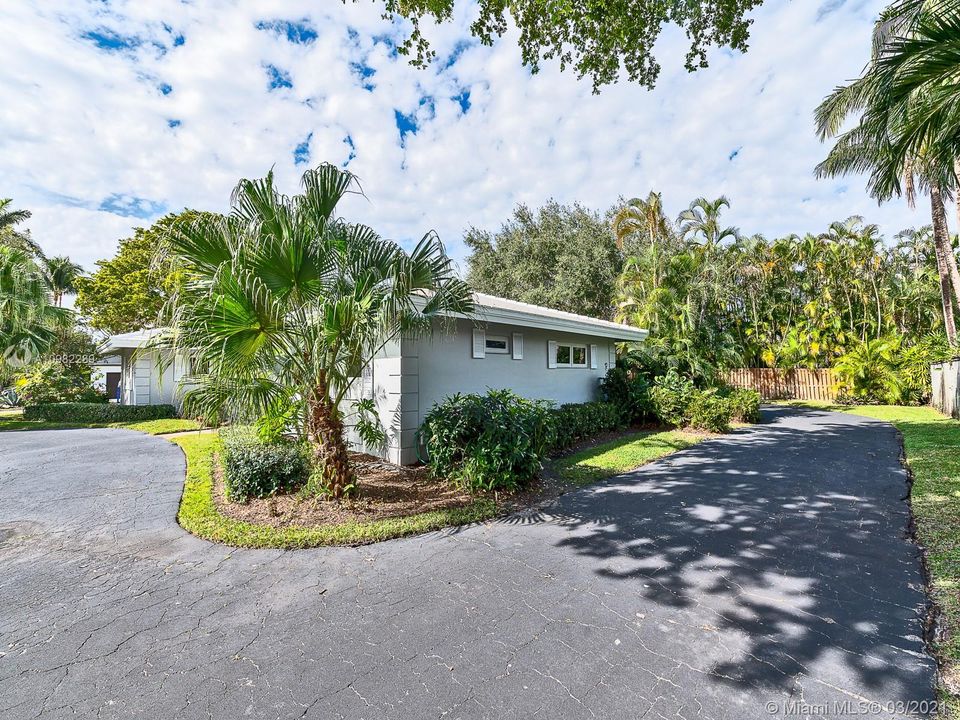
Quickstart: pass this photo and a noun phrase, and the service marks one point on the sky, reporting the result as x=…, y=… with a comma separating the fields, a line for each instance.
x=118, y=112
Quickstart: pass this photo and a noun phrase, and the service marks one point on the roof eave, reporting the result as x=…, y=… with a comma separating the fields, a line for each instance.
x=611, y=331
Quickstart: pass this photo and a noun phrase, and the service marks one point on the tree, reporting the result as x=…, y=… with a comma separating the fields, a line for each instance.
x=560, y=256
x=128, y=291
x=597, y=38
x=283, y=304
x=701, y=221
x=29, y=321
x=61, y=275
x=9, y=235
x=886, y=114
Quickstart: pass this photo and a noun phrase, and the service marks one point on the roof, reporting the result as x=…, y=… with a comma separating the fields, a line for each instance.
x=491, y=308
x=136, y=339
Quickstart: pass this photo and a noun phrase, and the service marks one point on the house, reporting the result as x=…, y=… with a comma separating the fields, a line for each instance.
x=537, y=352
x=144, y=379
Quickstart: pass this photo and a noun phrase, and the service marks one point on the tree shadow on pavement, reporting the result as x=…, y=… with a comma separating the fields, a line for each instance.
x=792, y=534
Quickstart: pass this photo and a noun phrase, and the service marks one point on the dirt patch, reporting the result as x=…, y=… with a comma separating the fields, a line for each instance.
x=386, y=491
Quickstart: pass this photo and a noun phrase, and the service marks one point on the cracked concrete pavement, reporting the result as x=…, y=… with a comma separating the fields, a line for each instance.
x=753, y=571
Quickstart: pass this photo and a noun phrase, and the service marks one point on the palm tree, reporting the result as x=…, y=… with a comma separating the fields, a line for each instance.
x=284, y=304
x=701, y=221
x=61, y=275
x=875, y=144
x=9, y=235
x=644, y=222
x=28, y=320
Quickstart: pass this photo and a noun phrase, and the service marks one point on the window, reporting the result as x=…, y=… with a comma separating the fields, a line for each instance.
x=497, y=344
x=568, y=355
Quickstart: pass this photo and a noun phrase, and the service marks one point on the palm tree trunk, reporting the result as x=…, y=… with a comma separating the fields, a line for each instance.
x=940, y=220
x=943, y=251
x=326, y=432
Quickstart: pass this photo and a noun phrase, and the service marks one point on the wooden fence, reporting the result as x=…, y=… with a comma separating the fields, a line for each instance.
x=945, y=379
x=795, y=384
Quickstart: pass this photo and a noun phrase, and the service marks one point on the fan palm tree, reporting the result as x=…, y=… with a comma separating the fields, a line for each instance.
x=28, y=320
x=284, y=304
x=62, y=275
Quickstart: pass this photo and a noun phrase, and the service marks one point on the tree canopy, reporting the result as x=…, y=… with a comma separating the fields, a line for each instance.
x=560, y=256
x=599, y=39
x=128, y=291
x=283, y=304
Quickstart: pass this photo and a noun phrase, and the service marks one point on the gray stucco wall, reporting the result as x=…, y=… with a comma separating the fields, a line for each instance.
x=439, y=366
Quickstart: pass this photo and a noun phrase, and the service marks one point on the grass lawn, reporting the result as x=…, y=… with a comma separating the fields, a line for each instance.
x=11, y=419
x=622, y=454
x=932, y=444
x=199, y=515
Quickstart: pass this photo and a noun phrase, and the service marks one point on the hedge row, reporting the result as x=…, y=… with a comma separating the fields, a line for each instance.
x=498, y=441
x=82, y=412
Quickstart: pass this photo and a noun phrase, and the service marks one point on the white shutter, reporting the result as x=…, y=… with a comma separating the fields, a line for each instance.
x=518, y=346
x=479, y=343
x=552, y=354
x=593, y=357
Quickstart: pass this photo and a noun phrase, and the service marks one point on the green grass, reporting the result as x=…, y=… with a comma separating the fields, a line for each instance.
x=199, y=515
x=932, y=445
x=620, y=455
x=11, y=419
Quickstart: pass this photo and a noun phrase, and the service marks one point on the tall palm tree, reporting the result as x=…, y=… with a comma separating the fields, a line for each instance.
x=9, y=235
x=875, y=144
x=284, y=304
x=61, y=275
x=28, y=320
x=701, y=221
x=644, y=222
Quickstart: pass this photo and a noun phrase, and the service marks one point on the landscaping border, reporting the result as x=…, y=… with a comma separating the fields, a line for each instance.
x=198, y=514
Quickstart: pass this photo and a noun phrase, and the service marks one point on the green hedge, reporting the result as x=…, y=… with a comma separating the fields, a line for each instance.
x=575, y=422
x=256, y=468
x=82, y=412
x=487, y=442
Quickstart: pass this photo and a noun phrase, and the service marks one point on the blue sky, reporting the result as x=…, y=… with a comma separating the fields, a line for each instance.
x=121, y=111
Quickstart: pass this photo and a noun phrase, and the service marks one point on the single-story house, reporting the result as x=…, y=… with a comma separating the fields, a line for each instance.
x=537, y=352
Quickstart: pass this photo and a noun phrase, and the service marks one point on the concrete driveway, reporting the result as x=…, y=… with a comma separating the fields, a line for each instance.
x=751, y=576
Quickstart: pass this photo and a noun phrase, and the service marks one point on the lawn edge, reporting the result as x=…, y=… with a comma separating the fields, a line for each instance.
x=197, y=513
x=933, y=611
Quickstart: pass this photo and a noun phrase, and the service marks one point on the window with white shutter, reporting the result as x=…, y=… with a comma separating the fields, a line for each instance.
x=552, y=354
x=479, y=343
x=593, y=356
x=518, y=346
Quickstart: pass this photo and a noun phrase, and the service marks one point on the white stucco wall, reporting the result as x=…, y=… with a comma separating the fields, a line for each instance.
x=144, y=382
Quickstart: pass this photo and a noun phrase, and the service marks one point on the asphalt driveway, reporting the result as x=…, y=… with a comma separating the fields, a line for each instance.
x=743, y=578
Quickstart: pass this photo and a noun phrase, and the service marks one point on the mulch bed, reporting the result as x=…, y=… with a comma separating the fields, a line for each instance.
x=386, y=491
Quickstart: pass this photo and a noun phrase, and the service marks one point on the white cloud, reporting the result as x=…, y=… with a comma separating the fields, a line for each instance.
x=92, y=143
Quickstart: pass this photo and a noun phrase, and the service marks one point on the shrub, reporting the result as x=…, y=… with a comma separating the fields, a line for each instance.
x=254, y=468
x=52, y=381
x=671, y=397
x=580, y=421
x=744, y=404
x=487, y=442
x=868, y=372
x=914, y=367
x=83, y=412
x=629, y=391
x=710, y=411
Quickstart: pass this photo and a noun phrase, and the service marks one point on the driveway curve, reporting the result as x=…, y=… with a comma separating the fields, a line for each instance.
x=767, y=573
